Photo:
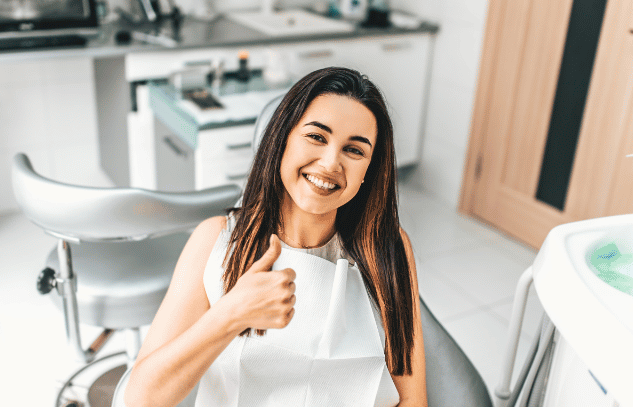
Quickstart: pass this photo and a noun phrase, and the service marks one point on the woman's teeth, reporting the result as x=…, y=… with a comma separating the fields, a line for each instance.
x=319, y=183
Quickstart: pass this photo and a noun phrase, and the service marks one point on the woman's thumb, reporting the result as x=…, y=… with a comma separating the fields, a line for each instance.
x=265, y=263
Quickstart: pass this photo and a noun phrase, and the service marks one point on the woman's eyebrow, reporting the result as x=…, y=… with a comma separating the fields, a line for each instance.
x=326, y=128
x=319, y=125
x=361, y=139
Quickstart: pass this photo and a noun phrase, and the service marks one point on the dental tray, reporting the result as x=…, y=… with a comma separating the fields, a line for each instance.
x=202, y=99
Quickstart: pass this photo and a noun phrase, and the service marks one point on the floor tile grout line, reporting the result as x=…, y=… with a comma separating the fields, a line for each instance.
x=494, y=313
x=442, y=253
x=464, y=315
x=453, y=285
x=488, y=309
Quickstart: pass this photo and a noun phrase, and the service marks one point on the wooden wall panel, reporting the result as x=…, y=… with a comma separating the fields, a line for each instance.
x=604, y=121
x=521, y=58
x=538, y=78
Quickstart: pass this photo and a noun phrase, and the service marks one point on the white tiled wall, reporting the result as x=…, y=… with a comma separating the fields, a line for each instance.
x=47, y=110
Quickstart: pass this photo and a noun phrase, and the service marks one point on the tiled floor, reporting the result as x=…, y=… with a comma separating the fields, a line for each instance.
x=467, y=275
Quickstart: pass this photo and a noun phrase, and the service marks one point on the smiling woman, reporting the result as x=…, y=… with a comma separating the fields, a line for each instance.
x=327, y=154
x=333, y=303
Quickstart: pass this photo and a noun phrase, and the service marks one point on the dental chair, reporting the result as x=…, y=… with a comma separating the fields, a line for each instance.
x=451, y=379
x=114, y=260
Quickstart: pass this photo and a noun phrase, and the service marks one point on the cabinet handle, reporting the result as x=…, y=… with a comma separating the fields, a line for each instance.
x=396, y=46
x=194, y=64
x=170, y=143
x=239, y=146
x=235, y=177
x=325, y=53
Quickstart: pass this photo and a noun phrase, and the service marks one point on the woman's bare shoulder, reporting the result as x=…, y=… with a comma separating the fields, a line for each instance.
x=211, y=227
x=204, y=236
x=186, y=299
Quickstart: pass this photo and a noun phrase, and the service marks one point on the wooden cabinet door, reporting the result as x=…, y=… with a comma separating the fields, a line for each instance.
x=602, y=180
x=518, y=77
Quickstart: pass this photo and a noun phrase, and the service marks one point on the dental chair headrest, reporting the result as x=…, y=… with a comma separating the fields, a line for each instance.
x=263, y=119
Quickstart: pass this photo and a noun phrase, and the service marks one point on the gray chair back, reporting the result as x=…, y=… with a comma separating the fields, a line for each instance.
x=451, y=378
x=82, y=213
x=263, y=119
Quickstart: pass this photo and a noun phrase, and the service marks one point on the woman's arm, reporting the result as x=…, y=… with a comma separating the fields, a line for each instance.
x=412, y=388
x=186, y=334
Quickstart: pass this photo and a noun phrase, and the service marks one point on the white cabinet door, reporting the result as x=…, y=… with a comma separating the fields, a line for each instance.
x=398, y=66
x=174, y=161
x=223, y=156
x=307, y=57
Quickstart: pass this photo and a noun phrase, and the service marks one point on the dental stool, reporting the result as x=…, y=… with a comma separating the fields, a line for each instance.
x=451, y=379
x=115, y=256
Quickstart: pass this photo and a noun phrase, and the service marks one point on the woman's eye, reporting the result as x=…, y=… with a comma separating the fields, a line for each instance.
x=316, y=137
x=356, y=151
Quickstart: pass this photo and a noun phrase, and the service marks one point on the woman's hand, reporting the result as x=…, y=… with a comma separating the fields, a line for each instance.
x=263, y=298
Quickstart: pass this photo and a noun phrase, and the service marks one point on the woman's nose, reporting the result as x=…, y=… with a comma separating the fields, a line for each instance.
x=330, y=160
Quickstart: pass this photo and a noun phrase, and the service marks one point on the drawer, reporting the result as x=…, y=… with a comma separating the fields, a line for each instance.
x=226, y=142
x=305, y=58
x=214, y=172
x=174, y=161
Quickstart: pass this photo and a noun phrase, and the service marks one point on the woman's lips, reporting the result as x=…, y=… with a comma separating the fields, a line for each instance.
x=319, y=190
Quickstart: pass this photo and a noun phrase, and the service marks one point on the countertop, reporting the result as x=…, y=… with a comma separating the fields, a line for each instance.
x=242, y=101
x=191, y=34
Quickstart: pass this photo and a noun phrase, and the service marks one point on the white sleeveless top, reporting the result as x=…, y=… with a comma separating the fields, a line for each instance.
x=330, y=354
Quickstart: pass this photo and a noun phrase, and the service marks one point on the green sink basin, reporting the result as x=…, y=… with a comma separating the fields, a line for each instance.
x=613, y=267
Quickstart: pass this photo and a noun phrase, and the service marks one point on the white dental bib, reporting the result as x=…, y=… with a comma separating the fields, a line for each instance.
x=330, y=354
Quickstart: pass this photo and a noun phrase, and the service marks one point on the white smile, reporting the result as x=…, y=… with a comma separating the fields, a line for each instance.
x=320, y=183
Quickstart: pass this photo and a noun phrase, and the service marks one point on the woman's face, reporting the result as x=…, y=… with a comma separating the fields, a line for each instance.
x=327, y=154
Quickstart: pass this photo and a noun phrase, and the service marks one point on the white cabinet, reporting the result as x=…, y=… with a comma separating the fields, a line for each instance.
x=224, y=156
x=403, y=81
x=175, y=161
x=307, y=57
x=398, y=66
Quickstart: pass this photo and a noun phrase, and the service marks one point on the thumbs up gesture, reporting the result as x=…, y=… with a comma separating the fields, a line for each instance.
x=264, y=298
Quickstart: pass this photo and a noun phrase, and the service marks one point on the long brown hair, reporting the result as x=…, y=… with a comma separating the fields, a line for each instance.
x=368, y=224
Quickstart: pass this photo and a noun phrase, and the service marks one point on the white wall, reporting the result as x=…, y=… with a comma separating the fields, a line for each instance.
x=47, y=108
x=453, y=85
